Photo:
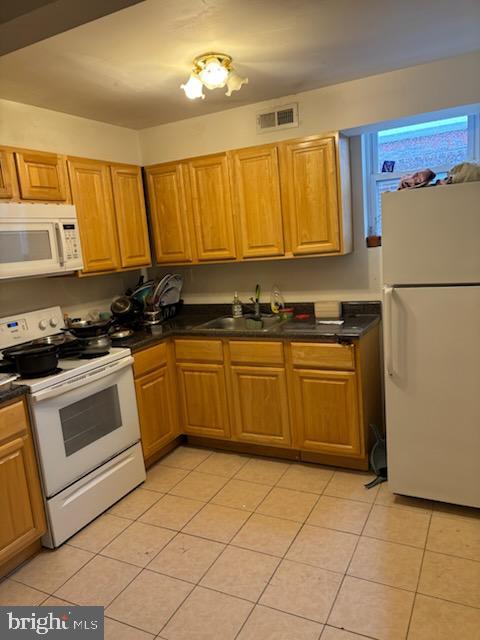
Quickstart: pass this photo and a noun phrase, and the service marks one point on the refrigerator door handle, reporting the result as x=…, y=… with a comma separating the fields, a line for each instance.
x=388, y=330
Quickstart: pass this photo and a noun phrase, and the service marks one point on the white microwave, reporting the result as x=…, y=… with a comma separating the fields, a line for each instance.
x=38, y=240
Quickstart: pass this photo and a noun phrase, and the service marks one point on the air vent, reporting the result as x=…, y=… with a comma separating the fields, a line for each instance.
x=282, y=118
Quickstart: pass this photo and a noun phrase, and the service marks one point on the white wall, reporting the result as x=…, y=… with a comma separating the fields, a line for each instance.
x=387, y=96
x=22, y=125
x=76, y=296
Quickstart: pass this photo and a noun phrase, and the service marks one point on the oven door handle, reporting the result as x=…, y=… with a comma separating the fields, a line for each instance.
x=80, y=382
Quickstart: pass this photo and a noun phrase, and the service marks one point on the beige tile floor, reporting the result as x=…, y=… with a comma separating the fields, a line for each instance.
x=218, y=546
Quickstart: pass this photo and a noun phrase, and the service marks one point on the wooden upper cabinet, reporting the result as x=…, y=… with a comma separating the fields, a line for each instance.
x=212, y=207
x=92, y=196
x=310, y=195
x=8, y=182
x=169, y=213
x=131, y=216
x=42, y=176
x=257, y=202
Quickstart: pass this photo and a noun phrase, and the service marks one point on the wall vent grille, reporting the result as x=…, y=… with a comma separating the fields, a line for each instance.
x=284, y=117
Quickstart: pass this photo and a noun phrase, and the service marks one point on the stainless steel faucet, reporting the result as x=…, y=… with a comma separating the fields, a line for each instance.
x=256, y=303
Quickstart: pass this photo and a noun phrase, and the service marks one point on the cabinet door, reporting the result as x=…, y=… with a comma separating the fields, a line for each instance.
x=203, y=399
x=309, y=195
x=169, y=213
x=42, y=176
x=257, y=202
x=326, y=412
x=260, y=405
x=21, y=504
x=212, y=207
x=8, y=185
x=131, y=216
x=156, y=410
x=92, y=196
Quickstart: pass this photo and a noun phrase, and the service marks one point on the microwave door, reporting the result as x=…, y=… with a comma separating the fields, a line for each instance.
x=30, y=249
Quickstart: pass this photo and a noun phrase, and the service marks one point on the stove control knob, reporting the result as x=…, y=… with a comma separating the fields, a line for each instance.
x=53, y=322
x=42, y=324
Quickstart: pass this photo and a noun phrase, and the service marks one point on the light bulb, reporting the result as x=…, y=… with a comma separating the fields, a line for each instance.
x=213, y=75
x=193, y=87
x=234, y=82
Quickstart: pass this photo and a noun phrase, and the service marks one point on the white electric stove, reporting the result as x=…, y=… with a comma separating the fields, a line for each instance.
x=85, y=425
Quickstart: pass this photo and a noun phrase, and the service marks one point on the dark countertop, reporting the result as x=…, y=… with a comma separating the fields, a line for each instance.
x=357, y=321
x=14, y=392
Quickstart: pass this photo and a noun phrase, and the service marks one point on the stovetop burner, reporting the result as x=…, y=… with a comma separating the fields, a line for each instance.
x=45, y=374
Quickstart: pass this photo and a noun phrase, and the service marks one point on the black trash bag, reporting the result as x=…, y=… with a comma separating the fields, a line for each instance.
x=378, y=458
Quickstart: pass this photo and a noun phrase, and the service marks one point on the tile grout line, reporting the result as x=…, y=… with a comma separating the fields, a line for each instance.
x=350, y=561
x=229, y=544
x=302, y=524
x=419, y=576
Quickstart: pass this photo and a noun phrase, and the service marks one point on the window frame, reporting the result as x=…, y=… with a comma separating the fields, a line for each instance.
x=371, y=177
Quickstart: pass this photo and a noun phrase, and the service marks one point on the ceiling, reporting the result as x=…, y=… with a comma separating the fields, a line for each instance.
x=126, y=68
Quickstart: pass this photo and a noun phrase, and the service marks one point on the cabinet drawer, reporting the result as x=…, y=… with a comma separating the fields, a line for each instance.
x=13, y=420
x=194, y=350
x=258, y=352
x=323, y=356
x=149, y=359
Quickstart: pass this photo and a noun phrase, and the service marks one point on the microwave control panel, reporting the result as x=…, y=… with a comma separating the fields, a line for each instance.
x=72, y=243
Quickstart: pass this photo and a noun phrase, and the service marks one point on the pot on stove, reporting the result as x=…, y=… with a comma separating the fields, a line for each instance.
x=94, y=346
x=33, y=360
x=88, y=328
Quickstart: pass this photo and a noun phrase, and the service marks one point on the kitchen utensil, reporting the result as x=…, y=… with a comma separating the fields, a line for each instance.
x=169, y=296
x=277, y=302
x=152, y=317
x=93, y=346
x=88, y=328
x=121, y=334
x=58, y=339
x=158, y=289
x=126, y=307
x=257, y=293
x=6, y=380
x=140, y=293
x=378, y=458
x=33, y=360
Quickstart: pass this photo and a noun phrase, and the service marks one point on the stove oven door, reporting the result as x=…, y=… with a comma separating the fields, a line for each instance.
x=82, y=423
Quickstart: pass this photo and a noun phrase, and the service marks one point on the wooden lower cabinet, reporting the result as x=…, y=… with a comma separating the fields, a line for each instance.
x=260, y=405
x=154, y=372
x=203, y=399
x=22, y=520
x=156, y=410
x=326, y=412
x=312, y=400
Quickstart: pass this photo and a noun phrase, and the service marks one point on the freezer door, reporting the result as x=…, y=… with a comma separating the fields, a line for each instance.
x=431, y=235
x=432, y=389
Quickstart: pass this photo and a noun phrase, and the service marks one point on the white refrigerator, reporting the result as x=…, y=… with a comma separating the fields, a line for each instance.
x=431, y=294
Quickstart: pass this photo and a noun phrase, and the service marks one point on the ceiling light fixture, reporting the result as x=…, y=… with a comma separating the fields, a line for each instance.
x=213, y=71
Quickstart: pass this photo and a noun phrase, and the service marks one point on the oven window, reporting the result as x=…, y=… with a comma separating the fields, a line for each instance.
x=90, y=419
x=23, y=246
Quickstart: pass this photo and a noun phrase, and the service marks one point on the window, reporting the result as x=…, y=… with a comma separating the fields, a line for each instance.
x=393, y=153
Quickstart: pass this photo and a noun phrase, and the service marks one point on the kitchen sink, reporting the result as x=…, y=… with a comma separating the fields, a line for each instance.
x=247, y=323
